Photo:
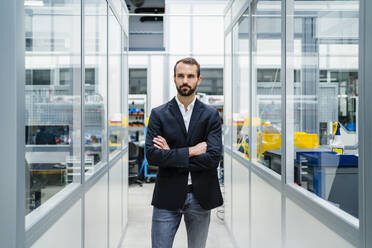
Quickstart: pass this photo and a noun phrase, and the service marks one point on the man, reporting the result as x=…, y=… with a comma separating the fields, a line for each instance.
x=184, y=140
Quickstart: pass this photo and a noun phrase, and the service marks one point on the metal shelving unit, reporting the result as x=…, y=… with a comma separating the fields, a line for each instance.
x=137, y=116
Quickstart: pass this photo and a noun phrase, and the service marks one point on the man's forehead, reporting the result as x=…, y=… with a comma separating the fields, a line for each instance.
x=186, y=68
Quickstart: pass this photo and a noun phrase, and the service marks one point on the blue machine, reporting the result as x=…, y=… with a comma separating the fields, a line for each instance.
x=319, y=162
x=331, y=176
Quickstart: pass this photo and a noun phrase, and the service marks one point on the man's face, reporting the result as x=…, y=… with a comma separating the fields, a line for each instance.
x=186, y=79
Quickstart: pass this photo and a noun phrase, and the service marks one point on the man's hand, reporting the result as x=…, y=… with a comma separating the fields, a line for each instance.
x=160, y=143
x=198, y=149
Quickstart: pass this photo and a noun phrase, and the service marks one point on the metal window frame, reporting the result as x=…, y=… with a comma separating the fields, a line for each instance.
x=284, y=119
x=251, y=10
x=236, y=18
x=82, y=118
x=148, y=86
x=107, y=169
x=125, y=92
x=12, y=77
x=227, y=149
x=365, y=124
x=233, y=78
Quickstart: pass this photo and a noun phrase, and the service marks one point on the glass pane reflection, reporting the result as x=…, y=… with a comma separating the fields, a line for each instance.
x=266, y=82
x=52, y=96
x=323, y=121
x=114, y=86
x=241, y=85
x=95, y=86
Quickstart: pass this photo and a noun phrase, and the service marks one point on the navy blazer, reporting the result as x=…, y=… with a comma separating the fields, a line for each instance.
x=174, y=164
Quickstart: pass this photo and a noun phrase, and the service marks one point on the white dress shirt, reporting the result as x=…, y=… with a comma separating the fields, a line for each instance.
x=186, y=114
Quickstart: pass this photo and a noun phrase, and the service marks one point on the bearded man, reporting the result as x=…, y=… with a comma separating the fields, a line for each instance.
x=184, y=140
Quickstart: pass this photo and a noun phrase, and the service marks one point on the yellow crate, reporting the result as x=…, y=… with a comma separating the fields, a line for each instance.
x=304, y=140
x=270, y=141
x=273, y=141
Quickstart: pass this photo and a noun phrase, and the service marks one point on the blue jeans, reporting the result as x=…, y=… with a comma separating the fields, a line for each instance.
x=166, y=222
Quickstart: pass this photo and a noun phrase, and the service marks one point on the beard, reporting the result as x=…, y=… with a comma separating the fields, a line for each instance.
x=185, y=90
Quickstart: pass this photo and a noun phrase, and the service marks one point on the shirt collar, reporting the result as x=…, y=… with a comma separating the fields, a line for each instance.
x=191, y=105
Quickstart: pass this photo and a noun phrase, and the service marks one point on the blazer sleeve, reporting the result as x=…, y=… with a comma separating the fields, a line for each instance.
x=176, y=157
x=210, y=159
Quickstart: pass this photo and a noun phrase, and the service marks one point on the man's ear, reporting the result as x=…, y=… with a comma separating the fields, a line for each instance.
x=199, y=80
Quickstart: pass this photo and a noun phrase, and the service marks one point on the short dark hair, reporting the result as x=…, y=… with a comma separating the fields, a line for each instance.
x=190, y=61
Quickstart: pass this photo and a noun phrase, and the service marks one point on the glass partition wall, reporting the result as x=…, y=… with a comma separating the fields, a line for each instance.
x=266, y=81
x=95, y=127
x=52, y=98
x=227, y=92
x=75, y=92
x=296, y=103
x=114, y=86
x=322, y=100
x=241, y=89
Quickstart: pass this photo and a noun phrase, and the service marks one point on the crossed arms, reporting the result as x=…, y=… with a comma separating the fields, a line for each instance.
x=199, y=149
x=203, y=156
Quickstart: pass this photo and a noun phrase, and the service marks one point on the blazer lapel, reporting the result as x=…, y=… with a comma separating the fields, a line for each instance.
x=175, y=110
x=197, y=111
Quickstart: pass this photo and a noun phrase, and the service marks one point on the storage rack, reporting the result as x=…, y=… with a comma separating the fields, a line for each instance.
x=137, y=116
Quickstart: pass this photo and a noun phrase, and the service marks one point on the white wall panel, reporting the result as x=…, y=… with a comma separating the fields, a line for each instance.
x=227, y=189
x=115, y=204
x=66, y=232
x=179, y=38
x=96, y=215
x=157, y=81
x=212, y=61
x=208, y=35
x=137, y=60
x=240, y=203
x=266, y=214
x=305, y=231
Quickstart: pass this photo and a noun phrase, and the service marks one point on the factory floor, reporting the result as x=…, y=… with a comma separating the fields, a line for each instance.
x=138, y=233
